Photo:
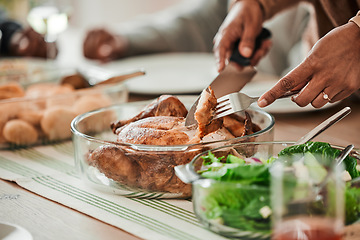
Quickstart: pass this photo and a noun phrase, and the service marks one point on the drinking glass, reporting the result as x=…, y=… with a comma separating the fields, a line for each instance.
x=49, y=18
x=307, y=198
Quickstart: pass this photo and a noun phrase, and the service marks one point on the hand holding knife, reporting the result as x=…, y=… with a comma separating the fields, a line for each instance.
x=231, y=79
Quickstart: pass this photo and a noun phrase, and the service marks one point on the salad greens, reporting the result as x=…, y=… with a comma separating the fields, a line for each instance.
x=236, y=207
x=325, y=151
x=244, y=207
x=241, y=172
x=248, y=207
x=352, y=203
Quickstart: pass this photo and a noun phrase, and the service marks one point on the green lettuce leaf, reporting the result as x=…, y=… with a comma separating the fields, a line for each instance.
x=325, y=152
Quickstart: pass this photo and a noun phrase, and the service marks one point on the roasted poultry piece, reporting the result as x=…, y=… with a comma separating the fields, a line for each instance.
x=162, y=122
x=165, y=105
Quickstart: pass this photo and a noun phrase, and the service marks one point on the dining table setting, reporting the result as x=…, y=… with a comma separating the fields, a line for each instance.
x=44, y=196
x=75, y=162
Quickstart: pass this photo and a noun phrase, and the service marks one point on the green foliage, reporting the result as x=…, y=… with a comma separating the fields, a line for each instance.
x=325, y=152
x=352, y=204
x=240, y=206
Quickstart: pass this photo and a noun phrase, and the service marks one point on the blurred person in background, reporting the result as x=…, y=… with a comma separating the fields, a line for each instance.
x=190, y=27
x=15, y=40
x=329, y=73
x=186, y=27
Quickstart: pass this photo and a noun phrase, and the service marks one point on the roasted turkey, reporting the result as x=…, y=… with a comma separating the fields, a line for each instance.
x=162, y=122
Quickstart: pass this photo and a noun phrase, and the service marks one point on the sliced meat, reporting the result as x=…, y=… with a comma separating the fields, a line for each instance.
x=218, y=135
x=205, y=110
x=238, y=125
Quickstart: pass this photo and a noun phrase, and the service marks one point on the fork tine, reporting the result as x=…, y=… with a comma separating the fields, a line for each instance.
x=223, y=104
x=224, y=113
x=224, y=98
x=221, y=110
x=237, y=102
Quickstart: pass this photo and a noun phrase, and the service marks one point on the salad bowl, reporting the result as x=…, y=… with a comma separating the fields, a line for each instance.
x=242, y=207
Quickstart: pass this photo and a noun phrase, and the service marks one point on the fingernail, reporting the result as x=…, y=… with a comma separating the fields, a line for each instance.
x=220, y=66
x=246, y=51
x=105, y=50
x=262, y=103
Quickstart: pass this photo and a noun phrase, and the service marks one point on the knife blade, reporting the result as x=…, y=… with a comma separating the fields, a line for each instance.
x=231, y=79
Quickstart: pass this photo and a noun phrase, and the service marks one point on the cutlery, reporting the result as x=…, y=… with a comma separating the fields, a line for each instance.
x=238, y=101
x=337, y=161
x=231, y=79
x=95, y=76
x=186, y=175
x=324, y=125
x=355, y=182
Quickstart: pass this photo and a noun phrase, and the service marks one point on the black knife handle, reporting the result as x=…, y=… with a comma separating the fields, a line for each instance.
x=243, y=61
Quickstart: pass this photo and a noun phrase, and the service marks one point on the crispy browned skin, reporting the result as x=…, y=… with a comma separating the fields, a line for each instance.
x=155, y=170
x=165, y=105
x=161, y=175
x=112, y=161
x=159, y=130
x=142, y=168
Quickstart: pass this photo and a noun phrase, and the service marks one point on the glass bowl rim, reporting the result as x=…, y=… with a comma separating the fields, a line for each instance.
x=81, y=117
x=77, y=93
x=211, y=182
x=190, y=165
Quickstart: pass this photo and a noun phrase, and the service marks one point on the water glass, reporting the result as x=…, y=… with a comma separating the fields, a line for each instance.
x=307, y=198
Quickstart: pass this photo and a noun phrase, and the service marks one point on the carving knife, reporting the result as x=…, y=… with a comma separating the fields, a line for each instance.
x=231, y=79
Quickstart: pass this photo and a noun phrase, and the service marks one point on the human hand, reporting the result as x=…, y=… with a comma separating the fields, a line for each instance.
x=244, y=22
x=329, y=73
x=102, y=45
x=30, y=43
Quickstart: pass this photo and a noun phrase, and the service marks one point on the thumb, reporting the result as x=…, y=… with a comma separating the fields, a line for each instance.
x=104, y=50
x=247, y=42
x=23, y=46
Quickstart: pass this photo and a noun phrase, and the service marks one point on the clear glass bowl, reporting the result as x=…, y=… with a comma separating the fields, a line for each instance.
x=28, y=70
x=209, y=195
x=45, y=118
x=137, y=170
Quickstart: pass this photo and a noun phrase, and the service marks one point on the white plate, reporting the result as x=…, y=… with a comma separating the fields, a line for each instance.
x=10, y=231
x=184, y=73
x=170, y=73
x=263, y=82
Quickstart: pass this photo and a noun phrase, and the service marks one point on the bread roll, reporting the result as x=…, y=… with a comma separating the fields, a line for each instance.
x=20, y=132
x=56, y=122
x=11, y=90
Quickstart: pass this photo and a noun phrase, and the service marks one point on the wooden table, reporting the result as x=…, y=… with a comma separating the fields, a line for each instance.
x=46, y=219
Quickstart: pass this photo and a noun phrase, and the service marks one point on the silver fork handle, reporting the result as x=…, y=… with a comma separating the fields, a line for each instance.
x=289, y=94
x=286, y=95
x=253, y=99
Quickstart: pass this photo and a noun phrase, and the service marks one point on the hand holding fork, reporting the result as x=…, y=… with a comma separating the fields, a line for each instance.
x=236, y=102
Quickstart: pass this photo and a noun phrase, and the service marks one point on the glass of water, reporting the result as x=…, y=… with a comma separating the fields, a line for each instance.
x=307, y=198
x=49, y=18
